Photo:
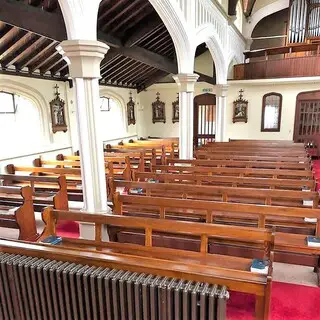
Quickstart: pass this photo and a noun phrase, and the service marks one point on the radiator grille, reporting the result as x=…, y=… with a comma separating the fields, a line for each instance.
x=36, y=288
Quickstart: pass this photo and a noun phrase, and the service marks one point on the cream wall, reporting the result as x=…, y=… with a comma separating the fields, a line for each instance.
x=253, y=92
x=204, y=64
x=168, y=94
x=40, y=92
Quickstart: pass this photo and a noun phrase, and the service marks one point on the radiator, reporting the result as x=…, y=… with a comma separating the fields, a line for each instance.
x=36, y=288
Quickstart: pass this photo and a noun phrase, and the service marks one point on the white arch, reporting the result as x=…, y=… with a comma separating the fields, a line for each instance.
x=180, y=32
x=37, y=98
x=262, y=13
x=206, y=33
x=80, y=17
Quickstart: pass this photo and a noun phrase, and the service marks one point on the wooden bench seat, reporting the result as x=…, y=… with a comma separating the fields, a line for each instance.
x=240, y=172
x=218, y=180
x=222, y=272
x=283, y=219
x=19, y=217
x=215, y=193
x=236, y=157
x=241, y=164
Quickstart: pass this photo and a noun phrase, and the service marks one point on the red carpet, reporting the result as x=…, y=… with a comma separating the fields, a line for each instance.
x=288, y=302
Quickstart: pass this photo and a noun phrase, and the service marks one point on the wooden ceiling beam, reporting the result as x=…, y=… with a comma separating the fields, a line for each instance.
x=109, y=73
x=122, y=75
x=151, y=80
x=46, y=45
x=59, y=67
x=15, y=43
x=51, y=64
x=41, y=63
x=150, y=58
x=131, y=16
x=48, y=24
x=21, y=52
x=131, y=75
x=34, y=2
x=141, y=74
x=50, y=5
x=103, y=15
x=124, y=12
x=151, y=26
x=34, y=19
x=206, y=78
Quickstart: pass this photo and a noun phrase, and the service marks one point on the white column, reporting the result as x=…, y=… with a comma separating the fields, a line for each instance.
x=85, y=57
x=221, y=112
x=186, y=90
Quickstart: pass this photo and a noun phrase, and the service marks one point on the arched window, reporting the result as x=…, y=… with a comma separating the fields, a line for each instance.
x=271, y=112
x=20, y=123
x=112, y=117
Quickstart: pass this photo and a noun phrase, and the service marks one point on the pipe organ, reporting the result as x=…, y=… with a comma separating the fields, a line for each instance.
x=304, y=20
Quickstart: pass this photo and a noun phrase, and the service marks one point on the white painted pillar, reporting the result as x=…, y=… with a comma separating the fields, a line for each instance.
x=85, y=57
x=221, y=112
x=186, y=92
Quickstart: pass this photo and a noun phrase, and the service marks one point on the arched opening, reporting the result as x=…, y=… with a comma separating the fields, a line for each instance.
x=204, y=126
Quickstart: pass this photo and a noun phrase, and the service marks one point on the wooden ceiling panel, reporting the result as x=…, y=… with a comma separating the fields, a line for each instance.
x=140, y=44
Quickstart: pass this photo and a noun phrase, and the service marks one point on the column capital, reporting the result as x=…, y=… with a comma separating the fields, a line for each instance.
x=83, y=57
x=222, y=90
x=186, y=81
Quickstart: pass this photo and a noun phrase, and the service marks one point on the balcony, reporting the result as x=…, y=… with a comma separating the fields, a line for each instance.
x=302, y=60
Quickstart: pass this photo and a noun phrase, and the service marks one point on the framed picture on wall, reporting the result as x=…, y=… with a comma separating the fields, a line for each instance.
x=240, y=109
x=58, y=113
x=130, y=110
x=158, y=110
x=175, y=110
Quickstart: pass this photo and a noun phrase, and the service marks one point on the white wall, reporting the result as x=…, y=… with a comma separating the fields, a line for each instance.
x=253, y=92
x=168, y=94
x=204, y=64
x=40, y=92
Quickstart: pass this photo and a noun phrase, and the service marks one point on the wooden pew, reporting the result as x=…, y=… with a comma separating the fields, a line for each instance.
x=241, y=164
x=21, y=217
x=45, y=190
x=225, y=270
x=199, y=154
x=286, y=198
x=218, y=180
x=257, y=152
x=260, y=143
x=289, y=223
x=137, y=160
x=240, y=172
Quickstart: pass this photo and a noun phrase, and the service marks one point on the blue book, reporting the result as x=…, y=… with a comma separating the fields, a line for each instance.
x=52, y=240
x=259, y=266
x=153, y=181
x=313, y=241
x=136, y=190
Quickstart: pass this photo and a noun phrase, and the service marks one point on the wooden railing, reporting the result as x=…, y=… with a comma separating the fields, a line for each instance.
x=297, y=61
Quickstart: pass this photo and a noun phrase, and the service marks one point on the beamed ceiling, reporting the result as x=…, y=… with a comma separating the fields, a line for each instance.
x=141, y=49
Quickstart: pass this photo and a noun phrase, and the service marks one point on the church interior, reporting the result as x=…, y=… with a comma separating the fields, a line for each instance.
x=159, y=159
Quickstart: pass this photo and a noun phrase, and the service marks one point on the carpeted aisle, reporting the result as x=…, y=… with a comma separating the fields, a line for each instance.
x=288, y=302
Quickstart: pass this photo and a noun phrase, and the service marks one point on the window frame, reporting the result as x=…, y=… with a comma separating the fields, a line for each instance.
x=263, y=129
x=13, y=101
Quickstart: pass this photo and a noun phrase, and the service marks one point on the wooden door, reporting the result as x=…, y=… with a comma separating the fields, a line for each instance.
x=204, y=126
x=307, y=119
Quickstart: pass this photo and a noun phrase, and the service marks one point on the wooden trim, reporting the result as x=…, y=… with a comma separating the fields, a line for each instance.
x=263, y=112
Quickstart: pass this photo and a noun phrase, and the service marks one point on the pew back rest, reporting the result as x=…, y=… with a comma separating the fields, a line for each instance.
x=289, y=184
x=60, y=199
x=208, y=209
x=191, y=191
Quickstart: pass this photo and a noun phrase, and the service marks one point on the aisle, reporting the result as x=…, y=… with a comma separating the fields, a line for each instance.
x=288, y=302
